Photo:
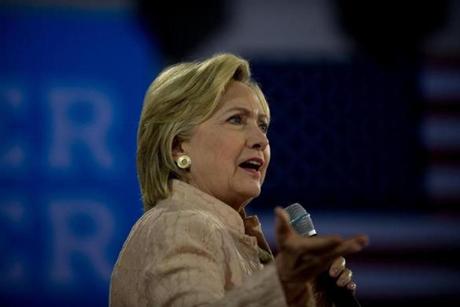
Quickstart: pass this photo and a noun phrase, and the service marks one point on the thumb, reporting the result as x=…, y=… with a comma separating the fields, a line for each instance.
x=282, y=227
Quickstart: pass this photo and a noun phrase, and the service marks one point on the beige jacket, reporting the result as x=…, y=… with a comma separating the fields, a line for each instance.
x=193, y=250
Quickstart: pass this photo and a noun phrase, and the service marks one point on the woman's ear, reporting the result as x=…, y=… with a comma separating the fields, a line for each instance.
x=180, y=156
x=177, y=148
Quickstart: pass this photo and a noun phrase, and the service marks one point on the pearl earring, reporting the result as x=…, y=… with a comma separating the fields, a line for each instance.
x=183, y=161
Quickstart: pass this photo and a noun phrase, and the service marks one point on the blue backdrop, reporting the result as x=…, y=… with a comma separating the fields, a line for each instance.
x=71, y=91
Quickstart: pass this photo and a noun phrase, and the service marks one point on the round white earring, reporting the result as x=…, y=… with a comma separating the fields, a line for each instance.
x=183, y=161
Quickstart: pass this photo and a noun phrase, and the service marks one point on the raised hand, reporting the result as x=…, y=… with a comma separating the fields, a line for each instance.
x=301, y=259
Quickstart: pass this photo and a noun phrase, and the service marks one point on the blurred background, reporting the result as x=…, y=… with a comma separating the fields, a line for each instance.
x=365, y=134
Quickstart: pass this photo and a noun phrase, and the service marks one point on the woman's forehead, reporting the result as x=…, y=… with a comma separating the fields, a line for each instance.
x=241, y=95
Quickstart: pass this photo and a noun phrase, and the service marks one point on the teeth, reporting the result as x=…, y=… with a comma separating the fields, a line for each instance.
x=254, y=163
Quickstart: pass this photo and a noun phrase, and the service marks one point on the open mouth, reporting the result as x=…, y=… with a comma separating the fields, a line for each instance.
x=252, y=165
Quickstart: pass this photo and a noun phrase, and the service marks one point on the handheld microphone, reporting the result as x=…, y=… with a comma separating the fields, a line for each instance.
x=301, y=222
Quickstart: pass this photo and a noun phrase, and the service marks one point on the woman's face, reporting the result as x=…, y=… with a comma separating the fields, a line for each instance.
x=230, y=151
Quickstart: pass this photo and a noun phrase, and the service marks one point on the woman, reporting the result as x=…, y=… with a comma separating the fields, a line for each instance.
x=202, y=157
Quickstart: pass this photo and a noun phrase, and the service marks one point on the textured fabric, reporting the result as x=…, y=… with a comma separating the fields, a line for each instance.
x=193, y=250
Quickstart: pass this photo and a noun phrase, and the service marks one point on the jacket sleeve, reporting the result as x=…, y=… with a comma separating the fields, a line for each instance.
x=186, y=267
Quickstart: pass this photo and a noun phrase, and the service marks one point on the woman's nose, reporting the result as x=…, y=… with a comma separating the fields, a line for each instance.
x=257, y=139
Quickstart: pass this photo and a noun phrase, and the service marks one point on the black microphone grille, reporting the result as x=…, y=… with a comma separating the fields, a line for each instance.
x=300, y=220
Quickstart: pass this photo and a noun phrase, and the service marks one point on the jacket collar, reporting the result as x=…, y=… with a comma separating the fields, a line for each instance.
x=188, y=197
x=191, y=198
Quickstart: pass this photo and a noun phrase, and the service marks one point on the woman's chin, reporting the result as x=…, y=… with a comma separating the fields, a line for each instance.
x=250, y=190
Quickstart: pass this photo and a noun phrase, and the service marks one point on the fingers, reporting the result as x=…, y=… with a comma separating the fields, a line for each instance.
x=301, y=259
x=344, y=278
x=337, y=267
x=349, y=246
x=343, y=274
x=282, y=227
x=329, y=247
x=362, y=240
x=351, y=286
x=328, y=252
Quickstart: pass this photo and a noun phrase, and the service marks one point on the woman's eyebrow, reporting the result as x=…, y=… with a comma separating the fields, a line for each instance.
x=241, y=109
x=246, y=112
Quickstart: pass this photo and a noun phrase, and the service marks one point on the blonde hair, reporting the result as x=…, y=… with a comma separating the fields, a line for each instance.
x=179, y=99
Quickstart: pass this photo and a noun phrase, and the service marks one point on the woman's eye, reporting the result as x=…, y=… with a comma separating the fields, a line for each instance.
x=264, y=127
x=235, y=119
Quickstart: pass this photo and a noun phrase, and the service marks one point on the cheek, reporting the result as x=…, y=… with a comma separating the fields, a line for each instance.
x=268, y=154
x=226, y=149
x=215, y=148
